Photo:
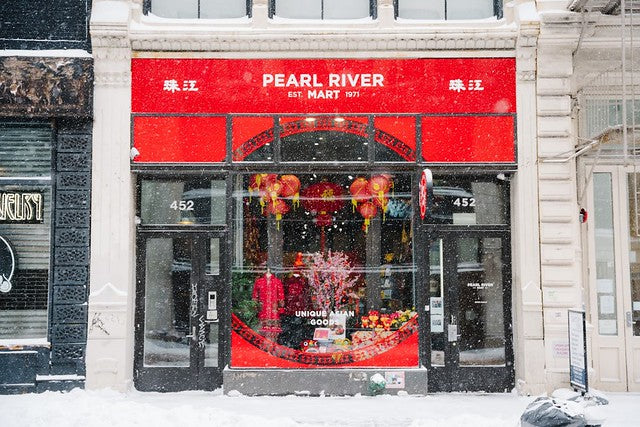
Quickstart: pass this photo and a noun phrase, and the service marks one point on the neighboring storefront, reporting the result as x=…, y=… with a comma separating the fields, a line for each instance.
x=45, y=181
x=310, y=222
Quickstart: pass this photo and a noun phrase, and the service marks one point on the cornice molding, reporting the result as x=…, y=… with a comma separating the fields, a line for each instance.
x=485, y=40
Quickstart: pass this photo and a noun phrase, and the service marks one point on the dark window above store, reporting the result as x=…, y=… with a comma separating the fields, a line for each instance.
x=322, y=9
x=198, y=9
x=53, y=24
x=447, y=10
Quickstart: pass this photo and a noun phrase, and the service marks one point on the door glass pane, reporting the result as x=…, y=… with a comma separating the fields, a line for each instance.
x=211, y=345
x=436, y=303
x=604, y=253
x=213, y=257
x=480, y=302
x=216, y=9
x=469, y=201
x=175, y=9
x=167, y=302
x=634, y=249
x=183, y=202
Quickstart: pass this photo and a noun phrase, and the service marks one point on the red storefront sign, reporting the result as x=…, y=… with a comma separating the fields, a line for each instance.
x=464, y=106
x=341, y=86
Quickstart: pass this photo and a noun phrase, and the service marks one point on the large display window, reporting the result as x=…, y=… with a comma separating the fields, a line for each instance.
x=25, y=230
x=324, y=273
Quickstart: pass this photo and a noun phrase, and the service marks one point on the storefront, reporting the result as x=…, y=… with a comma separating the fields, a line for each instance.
x=45, y=182
x=303, y=224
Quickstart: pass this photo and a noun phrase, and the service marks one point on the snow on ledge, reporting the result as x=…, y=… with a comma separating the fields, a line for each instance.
x=60, y=377
x=66, y=53
x=35, y=342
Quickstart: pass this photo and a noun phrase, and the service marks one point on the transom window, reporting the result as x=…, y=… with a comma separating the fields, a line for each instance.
x=198, y=9
x=448, y=9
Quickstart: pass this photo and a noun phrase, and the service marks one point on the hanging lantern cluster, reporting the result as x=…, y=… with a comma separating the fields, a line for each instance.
x=367, y=195
x=272, y=192
x=322, y=200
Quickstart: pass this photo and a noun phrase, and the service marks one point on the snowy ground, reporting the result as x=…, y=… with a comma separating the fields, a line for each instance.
x=112, y=409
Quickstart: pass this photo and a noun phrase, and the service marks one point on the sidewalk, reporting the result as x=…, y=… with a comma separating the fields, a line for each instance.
x=212, y=409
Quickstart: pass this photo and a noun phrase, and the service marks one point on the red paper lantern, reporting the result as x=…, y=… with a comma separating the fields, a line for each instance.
x=273, y=189
x=359, y=190
x=256, y=183
x=291, y=188
x=368, y=210
x=323, y=197
x=277, y=207
x=379, y=186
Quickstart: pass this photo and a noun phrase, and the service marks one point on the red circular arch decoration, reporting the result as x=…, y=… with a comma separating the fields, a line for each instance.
x=325, y=124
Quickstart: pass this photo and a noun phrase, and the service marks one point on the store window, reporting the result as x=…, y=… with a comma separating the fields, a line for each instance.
x=603, y=113
x=25, y=230
x=323, y=271
x=198, y=9
x=470, y=201
x=323, y=9
x=448, y=9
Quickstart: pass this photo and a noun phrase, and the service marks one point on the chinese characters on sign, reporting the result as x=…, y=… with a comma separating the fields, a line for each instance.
x=187, y=86
x=458, y=85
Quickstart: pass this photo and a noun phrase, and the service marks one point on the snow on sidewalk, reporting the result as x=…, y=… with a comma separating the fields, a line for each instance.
x=80, y=408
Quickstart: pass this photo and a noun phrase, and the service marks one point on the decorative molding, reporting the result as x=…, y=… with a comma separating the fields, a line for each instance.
x=484, y=40
x=122, y=78
x=527, y=75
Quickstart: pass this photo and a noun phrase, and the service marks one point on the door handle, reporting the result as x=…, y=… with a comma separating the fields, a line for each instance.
x=629, y=317
x=192, y=335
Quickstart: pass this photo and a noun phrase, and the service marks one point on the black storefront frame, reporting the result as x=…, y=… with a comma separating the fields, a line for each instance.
x=68, y=269
x=502, y=379
x=230, y=169
x=143, y=232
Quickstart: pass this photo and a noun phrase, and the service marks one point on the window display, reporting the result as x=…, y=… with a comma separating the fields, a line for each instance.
x=323, y=272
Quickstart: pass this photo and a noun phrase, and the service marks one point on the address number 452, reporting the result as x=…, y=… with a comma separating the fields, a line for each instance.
x=464, y=201
x=182, y=205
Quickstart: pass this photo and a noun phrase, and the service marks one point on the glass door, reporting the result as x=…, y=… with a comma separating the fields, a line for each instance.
x=179, y=306
x=469, y=312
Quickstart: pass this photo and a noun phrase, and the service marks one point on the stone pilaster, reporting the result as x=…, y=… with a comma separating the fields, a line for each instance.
x=112, y=284
x=527, y=295
x=560, y=241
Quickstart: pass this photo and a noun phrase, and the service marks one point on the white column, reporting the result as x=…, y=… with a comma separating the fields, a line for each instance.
x=527, y=294
x=112, y=286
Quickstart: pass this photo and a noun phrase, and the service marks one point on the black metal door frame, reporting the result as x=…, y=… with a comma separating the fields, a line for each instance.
x=452, y=376
x=197, y=376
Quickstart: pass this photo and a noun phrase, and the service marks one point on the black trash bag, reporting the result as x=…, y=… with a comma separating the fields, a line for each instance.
x=547, y=412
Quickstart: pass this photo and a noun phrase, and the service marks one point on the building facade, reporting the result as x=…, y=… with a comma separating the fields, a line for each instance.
x=291, y=196
x=46, y=85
